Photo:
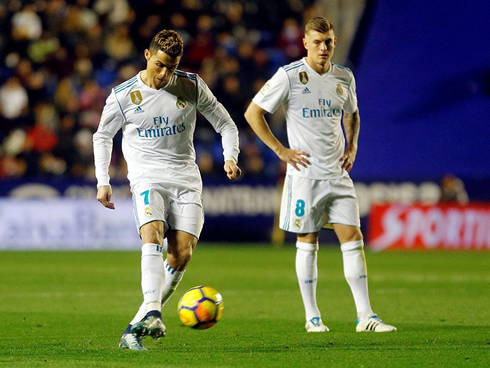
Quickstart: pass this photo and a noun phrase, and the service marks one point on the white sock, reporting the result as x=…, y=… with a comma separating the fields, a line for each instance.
x=152, y=275
x=307, y=272
x=172, y=280
x=355, y=271
x=139, y=315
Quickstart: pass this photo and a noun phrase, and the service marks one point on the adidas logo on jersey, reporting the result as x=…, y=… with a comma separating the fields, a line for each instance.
x=138, y=110
x=306, y=90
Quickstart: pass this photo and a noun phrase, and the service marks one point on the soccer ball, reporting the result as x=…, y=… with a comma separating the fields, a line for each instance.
x=200, y=307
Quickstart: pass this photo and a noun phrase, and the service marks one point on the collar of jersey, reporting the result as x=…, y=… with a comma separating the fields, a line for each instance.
x=153, y=89
x=314, y=71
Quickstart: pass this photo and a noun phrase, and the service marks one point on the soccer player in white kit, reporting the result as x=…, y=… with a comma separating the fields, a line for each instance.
x=318, y=191
x=156, y=110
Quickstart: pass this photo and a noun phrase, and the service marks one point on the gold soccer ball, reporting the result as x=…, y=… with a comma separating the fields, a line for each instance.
x=200, y=307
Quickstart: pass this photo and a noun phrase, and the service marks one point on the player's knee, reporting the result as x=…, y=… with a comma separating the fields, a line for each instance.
x=348, y=234
x=308, y=238
x=152, y=233
x=352, y=246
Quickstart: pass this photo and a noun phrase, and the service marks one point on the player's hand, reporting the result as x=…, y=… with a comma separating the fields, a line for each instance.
x=104, y=194
x=348, y=158
x=232, y=170
x=294, y=157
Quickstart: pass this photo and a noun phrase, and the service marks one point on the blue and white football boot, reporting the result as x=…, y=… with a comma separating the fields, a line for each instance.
x=151, y=325
x=316, y=325
x=131, y=341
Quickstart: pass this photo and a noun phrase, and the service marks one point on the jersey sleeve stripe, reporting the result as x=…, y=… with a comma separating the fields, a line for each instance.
x=342, y=67
x=122, y=85
x=290, y=194
x=292, y=67
x=197, y=92
x=180, y=73
x=135, y=212
x=125, y=87
x=289, y=80
x=299, y=62
x=122, y=112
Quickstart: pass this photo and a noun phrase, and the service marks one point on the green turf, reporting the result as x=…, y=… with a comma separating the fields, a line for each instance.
x=67, y=309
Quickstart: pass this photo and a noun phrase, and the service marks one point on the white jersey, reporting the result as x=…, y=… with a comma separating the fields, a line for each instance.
x=313, y=104
x=158, y=128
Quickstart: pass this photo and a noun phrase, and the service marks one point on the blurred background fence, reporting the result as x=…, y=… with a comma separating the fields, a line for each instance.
x=423, y=74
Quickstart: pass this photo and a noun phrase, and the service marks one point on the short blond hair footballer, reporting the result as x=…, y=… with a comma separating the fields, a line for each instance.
x=167, y=41
x=319, y=24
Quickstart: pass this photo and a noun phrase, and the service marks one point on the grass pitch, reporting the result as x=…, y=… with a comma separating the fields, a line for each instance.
x=67, y=309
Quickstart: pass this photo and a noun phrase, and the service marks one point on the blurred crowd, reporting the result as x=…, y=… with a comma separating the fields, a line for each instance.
x=60, y=58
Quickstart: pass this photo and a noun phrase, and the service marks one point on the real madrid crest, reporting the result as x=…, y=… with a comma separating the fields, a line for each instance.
x=148, y=212
x=303, y=77
x=181, y=103
x=339, y=90
x=136, y=97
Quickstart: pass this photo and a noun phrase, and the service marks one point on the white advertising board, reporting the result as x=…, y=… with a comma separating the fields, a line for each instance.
x=66, y=224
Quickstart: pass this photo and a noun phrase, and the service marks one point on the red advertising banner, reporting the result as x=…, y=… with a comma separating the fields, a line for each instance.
x=441, y=226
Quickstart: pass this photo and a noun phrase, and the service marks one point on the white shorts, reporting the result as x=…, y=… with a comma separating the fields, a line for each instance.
x=308, y=205
x=177, y=207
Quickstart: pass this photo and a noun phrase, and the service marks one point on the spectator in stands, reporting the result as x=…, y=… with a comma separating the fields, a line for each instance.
x=453, y=190
x=14, y=104
x=291, y=39
x=42, y=136
x=26, y=24
x=73, y=52
x=12, y=167
x=119, y=45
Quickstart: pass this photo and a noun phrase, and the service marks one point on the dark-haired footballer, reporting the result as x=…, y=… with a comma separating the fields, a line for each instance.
x=156, y=110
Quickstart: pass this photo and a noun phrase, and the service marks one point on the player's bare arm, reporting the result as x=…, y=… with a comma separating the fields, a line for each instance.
x=352, y=124
x=255, y=118
x=232, y=170
x=104, y=194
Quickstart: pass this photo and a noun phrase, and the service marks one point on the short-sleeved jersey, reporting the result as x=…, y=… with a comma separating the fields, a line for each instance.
x=158, y=129
x=313, y=105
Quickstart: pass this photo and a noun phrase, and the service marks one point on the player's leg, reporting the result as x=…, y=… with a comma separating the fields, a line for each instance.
x=307, y=273
x=297, y=216
x=152, y=269
x=152, y=280
x=181, y=245
x=139, y=316
x=355, y=271
x=185, y=219
x=149, y=209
